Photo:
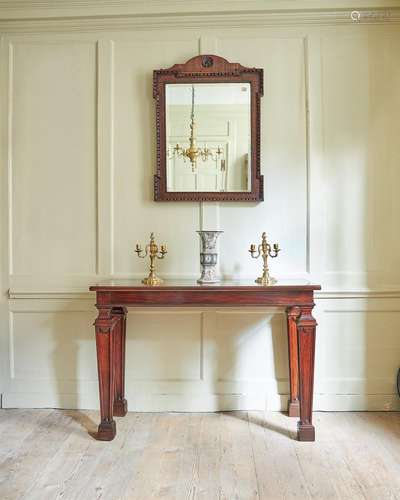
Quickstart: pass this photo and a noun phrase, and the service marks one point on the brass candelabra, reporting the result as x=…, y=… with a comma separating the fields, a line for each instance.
x=265, y=250
x=151, y=250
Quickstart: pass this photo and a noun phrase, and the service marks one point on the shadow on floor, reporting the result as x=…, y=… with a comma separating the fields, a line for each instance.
x=262, y=422
x=84, y=421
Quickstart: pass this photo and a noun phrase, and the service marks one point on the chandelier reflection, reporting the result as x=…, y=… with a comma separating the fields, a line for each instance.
x=193, y=152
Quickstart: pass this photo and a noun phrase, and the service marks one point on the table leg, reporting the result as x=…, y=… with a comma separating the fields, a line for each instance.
x=293, y=404
x=306, y=326
x=104, y=326
x=120, y=403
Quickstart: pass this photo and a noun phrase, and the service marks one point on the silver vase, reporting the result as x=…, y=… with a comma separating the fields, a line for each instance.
x=208, y=256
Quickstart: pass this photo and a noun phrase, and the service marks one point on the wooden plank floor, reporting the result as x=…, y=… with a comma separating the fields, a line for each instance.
x=50, y=454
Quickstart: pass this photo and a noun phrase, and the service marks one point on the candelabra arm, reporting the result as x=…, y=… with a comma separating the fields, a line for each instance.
x=274, y=253
x=141, y=254
x=253, y=253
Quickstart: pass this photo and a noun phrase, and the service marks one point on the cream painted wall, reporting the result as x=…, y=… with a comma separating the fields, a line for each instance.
x=78, y=156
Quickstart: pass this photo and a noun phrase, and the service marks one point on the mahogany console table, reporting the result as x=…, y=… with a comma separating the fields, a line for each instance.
x=114, y=297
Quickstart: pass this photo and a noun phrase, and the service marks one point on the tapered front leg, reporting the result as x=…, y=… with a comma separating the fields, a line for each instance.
x=104, y=326
x=306, y=326
x=120, y=403
x=292, y=314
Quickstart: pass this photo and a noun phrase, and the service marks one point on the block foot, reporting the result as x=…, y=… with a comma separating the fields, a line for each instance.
x=120, y=408
x=106, y=431
x=294, y=409
x=305, y=432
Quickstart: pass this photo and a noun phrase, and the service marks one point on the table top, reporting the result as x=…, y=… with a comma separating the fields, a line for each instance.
x=136, y=285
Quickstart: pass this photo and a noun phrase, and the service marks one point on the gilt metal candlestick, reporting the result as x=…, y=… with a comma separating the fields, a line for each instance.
x=265, y=251
x=151, y=250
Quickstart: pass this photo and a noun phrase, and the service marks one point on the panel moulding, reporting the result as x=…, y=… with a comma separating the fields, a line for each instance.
x=12, y=45
x=105, y=157
x=9, y=155
x=11, y=352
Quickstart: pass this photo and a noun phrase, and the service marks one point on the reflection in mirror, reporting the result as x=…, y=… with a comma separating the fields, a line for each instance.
x=208, y=137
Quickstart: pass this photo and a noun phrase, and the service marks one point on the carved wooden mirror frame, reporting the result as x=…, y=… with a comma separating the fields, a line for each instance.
x=208, y=69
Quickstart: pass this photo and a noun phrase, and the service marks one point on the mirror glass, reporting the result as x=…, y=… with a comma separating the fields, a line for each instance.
x=208, y=137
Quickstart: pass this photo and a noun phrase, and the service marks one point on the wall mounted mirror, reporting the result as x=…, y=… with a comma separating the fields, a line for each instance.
x=208, y=131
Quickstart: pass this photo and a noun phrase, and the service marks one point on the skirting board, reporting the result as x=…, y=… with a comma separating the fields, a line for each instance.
x=204, y=403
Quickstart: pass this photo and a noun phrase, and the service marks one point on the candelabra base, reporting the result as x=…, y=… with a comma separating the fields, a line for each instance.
x=152, y=281
x=266, y=280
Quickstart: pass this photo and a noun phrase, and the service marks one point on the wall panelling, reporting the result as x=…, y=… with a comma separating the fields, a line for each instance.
x=77, y=160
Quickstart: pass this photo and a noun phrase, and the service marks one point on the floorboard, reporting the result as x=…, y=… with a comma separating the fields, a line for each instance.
x=51, y=454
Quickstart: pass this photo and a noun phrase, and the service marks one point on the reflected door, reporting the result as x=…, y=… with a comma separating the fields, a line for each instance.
x=208, y=137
